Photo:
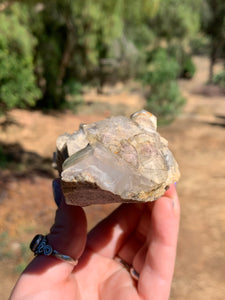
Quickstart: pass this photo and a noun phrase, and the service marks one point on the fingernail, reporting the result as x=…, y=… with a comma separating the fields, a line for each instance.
x=57, y=192
x=134, y=274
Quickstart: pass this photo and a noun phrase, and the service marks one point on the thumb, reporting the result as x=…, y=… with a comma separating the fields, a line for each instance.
x=67, y=236
x=69, y=232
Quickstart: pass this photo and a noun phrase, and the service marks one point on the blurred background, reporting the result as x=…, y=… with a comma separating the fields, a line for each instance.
x=65, y=62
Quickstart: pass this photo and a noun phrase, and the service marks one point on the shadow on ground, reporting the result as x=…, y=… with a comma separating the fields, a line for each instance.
x=219, y=122
x=20, y=163
x=209, y=90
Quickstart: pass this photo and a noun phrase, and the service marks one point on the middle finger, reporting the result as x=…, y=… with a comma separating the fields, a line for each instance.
x=137, y=238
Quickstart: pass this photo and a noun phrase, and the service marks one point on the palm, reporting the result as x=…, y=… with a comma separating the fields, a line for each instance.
x=109, y=281
x=142, y=236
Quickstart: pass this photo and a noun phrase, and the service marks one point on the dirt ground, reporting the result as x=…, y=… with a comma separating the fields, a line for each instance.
x=197, y=139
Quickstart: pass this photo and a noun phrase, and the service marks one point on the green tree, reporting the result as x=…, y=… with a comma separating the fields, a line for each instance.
x=74, y=37
x=73, y=40
x=17, y=80
x=213, y=25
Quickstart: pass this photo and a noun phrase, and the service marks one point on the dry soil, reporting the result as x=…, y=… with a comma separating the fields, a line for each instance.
x=197, y=138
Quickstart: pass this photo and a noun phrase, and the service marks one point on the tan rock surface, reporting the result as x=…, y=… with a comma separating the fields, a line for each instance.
x=118, y=159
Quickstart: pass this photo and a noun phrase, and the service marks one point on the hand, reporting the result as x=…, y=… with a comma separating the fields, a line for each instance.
x=142, y=235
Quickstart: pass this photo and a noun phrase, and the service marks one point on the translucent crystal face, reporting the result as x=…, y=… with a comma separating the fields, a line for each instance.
x=125, y=156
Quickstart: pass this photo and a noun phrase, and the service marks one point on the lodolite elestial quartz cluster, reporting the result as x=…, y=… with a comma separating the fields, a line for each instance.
x=118, y=159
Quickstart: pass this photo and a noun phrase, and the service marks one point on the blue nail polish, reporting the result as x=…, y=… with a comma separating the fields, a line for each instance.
x=134, y=274
x=57, y=192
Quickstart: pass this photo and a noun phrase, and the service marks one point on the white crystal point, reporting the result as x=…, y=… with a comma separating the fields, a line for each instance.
x=145, y=120
x=97, y=165
x=61, y=141
x=116, y=160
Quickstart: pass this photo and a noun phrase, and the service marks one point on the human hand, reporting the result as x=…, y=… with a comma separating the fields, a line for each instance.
x=142, y=235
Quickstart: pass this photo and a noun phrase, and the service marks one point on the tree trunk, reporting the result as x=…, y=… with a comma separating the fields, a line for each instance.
x=67, y=53
x=212, y=61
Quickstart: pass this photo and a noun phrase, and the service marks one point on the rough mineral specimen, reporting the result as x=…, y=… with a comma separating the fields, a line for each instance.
x=118, y=159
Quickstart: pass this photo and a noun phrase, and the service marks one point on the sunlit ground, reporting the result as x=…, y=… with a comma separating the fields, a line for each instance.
x=197, y=141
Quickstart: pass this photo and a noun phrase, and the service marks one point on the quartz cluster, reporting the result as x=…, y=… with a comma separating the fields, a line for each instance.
x=118, y=159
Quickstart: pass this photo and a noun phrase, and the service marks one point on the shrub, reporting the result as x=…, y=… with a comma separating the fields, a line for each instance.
x=219, y=79
x=165, y=99
x=200, y=45
x=186, y=65
x=3, y=159
x=188, y=68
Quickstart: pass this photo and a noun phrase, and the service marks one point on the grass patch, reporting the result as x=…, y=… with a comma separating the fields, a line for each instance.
x=17, y=254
